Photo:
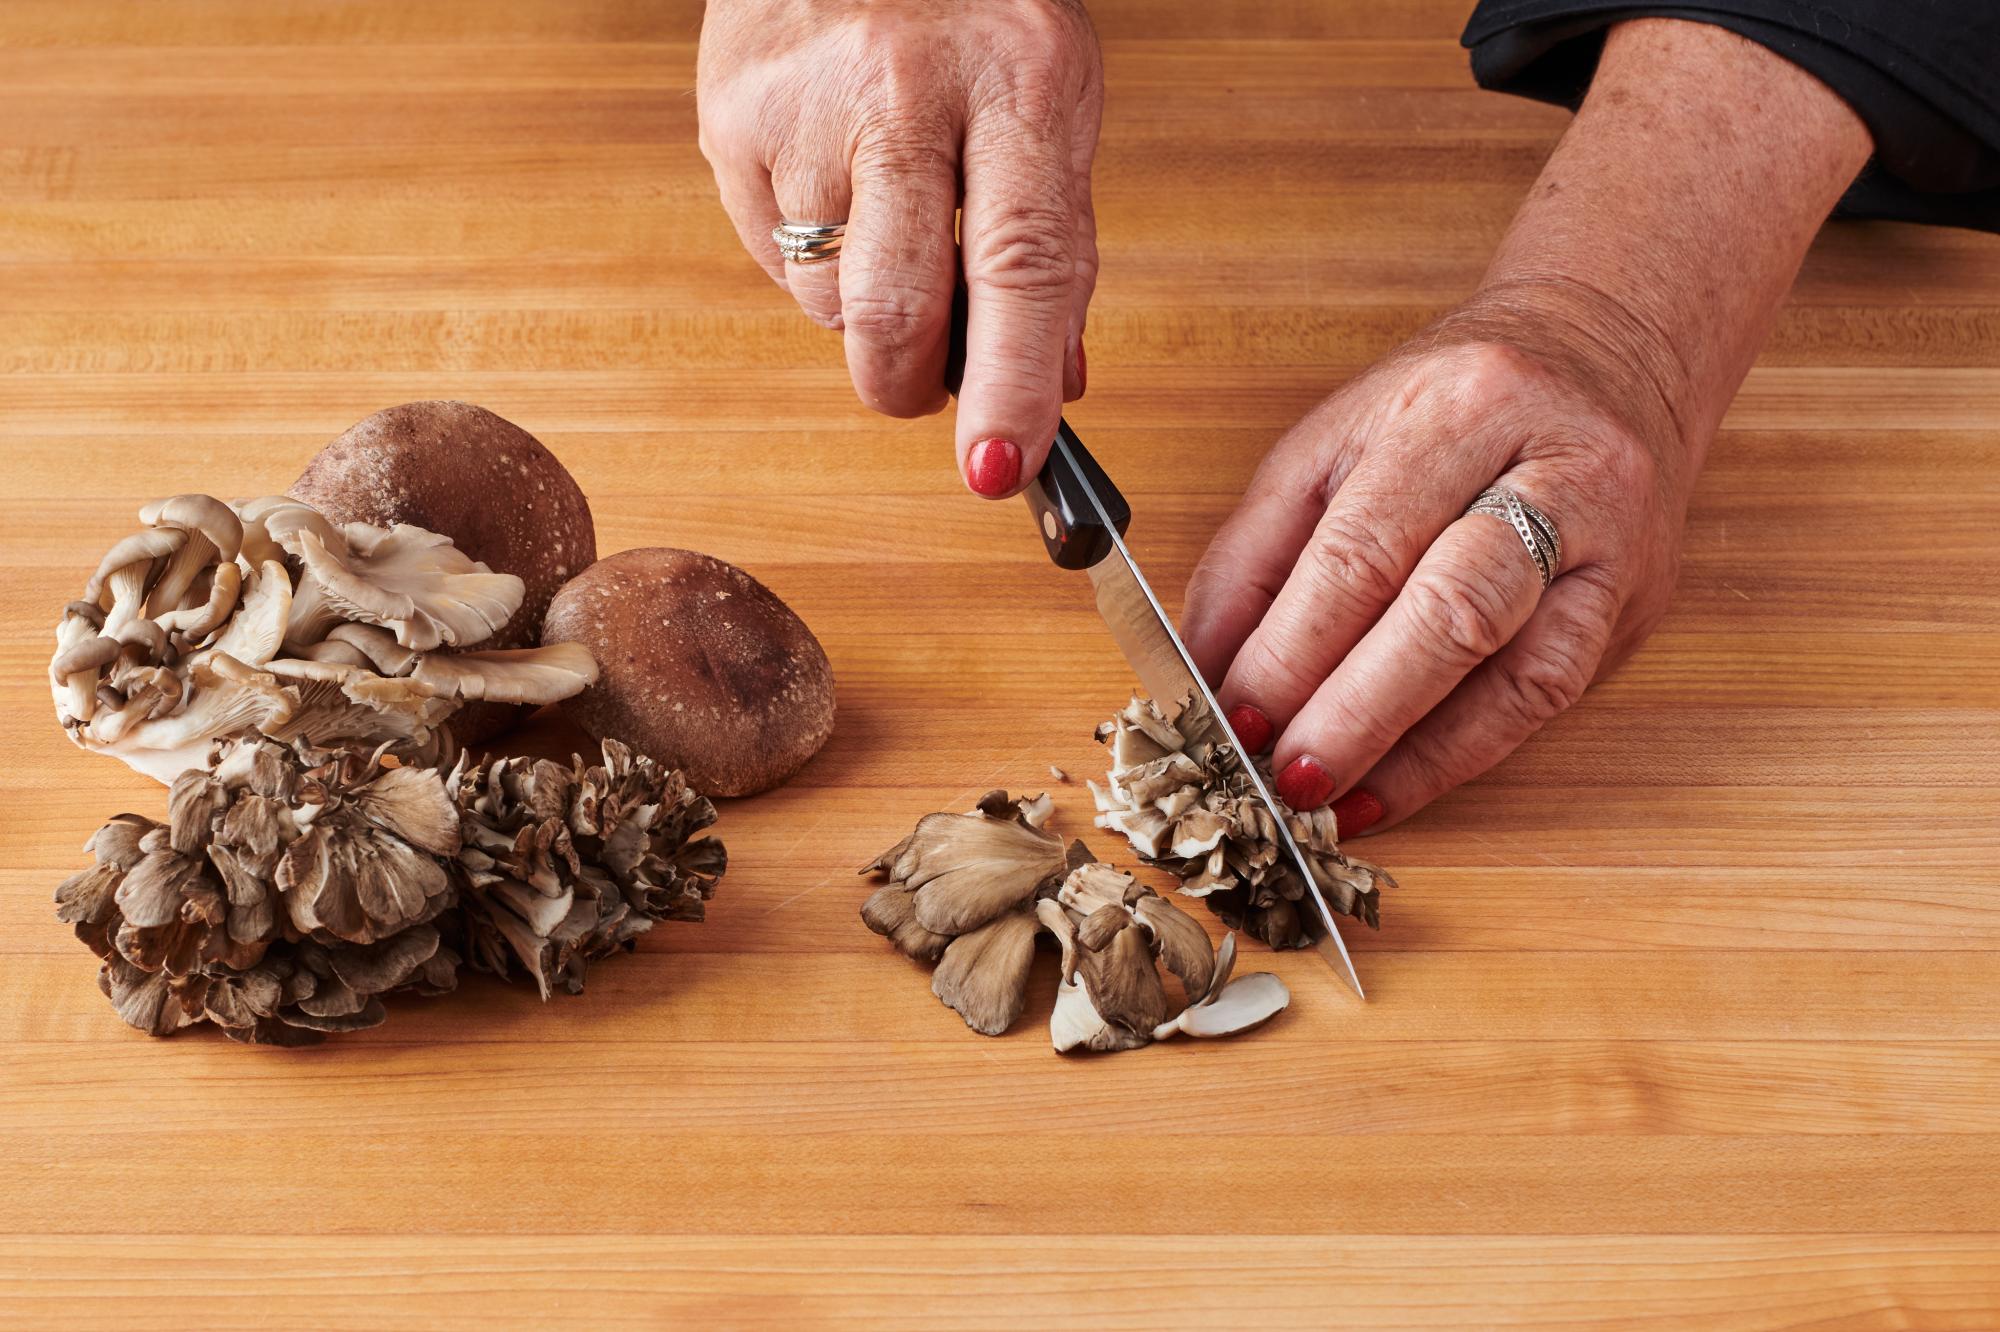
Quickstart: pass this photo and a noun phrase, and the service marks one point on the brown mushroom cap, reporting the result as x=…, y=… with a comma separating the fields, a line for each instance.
x=702, y=667
x=477, y=478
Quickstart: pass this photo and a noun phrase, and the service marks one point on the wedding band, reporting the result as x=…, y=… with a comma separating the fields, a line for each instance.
x=808, y=242
x=1537, y=533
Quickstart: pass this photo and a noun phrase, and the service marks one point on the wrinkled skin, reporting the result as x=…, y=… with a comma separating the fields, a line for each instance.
x=1402, y=638
x=890, y=116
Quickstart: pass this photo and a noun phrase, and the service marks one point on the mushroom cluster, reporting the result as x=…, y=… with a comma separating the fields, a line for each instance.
x=563, y=865
x=262, y=617
x=974, y=892
x=1176, y=794
x=293, y=886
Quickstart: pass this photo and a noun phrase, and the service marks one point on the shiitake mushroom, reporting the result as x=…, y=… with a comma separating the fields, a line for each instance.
x=702, y=667
x=481, y=480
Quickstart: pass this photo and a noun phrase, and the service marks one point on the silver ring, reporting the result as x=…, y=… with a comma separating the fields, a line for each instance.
x=1536, y=531
x=809, y=242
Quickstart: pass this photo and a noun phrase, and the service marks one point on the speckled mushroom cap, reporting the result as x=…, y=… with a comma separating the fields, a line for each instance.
x=479, y=479
x=702, y=667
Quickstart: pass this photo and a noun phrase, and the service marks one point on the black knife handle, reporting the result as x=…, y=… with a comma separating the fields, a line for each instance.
x=1073, y=530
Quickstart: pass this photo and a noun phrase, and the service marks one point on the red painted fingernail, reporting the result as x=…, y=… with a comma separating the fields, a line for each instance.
x=1306, y=784
x=992, y=467
x=1356, y=812
x=1082, y=370
x=1252, y=727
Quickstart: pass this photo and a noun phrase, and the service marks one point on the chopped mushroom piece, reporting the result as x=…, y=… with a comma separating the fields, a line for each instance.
x=1112, y=930
x=962, y=870
x=1175, y=793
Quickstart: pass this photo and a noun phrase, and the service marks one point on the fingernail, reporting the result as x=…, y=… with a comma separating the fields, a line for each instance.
x=1356, y=812
x=1082, y=370
x=992, y=467
x=1252, y=727
x=1306, y=784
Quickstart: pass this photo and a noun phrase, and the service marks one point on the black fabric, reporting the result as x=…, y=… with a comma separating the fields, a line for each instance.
x=1923, y=74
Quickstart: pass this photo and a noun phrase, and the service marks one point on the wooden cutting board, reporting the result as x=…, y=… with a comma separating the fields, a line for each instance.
x=1689, y=1011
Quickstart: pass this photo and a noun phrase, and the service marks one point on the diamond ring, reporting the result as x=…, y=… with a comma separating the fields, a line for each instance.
x=808, y=242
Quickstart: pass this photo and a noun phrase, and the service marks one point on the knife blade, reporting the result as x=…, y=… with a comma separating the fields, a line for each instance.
x=1083, y=518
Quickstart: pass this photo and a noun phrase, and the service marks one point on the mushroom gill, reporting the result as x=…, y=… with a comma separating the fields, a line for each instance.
x=1176, y=794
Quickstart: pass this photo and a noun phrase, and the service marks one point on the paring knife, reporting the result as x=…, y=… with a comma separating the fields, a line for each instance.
x=1082, y=519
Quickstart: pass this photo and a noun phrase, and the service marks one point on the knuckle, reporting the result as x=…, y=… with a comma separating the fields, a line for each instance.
x=1492, y=371
x=1543, y=683
x=1428, y=765
x=1466, y=618
x=1268, y=669
x=1353, y=561
x=893, y=320
x=1029, y=252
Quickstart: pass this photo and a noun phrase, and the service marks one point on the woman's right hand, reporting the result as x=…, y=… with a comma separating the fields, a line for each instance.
x=891, y=117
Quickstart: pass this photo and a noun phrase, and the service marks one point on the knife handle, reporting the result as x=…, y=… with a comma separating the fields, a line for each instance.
x=1060, y=495
x=1072, y=526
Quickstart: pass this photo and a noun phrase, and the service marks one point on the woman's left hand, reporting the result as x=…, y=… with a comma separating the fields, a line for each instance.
x=1395, y=646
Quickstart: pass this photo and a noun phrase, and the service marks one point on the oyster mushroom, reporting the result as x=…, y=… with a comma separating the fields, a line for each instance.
x=213, y=533
x=286, y=627
x=484, y=482
x=704, y=668
x=1173, y=796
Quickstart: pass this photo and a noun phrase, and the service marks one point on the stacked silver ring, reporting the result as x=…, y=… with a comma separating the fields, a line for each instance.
x=1537, y=533
x=808, y=242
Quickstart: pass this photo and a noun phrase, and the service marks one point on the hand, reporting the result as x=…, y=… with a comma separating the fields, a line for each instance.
x=1396, y=646
x=874, y=114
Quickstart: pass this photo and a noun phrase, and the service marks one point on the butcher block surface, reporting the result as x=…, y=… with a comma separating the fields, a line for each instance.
x=1689, y=1015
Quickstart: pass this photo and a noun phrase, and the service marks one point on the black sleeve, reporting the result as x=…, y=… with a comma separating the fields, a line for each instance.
x=1923, y=74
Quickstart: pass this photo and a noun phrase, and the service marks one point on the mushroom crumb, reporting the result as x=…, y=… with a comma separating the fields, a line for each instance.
x=973, y=892
x=1177, y=796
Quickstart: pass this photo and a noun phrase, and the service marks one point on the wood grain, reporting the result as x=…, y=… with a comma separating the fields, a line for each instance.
x=1689, y=1016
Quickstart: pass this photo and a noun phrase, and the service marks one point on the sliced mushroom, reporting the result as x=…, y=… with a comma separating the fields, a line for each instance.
x=984, y=974
x=963, y=870
x=1176, y=793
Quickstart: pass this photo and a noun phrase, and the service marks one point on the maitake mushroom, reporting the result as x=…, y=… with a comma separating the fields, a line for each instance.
x=1174, y=796
x=293, y=886
x=1113, y=930
x=289, y=889
x=216, y=620
x=973, y=891
x=563, y=865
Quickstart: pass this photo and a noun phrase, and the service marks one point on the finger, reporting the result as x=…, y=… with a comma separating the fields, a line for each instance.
x=746, y=196
x=1083, y=150
x=1538, y=675
x=898, y=268
x=1394, y=505
x=1244, y=567
x=1472, y=591
x=1018, y=236
x=810, y=191
x=1084, y=268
